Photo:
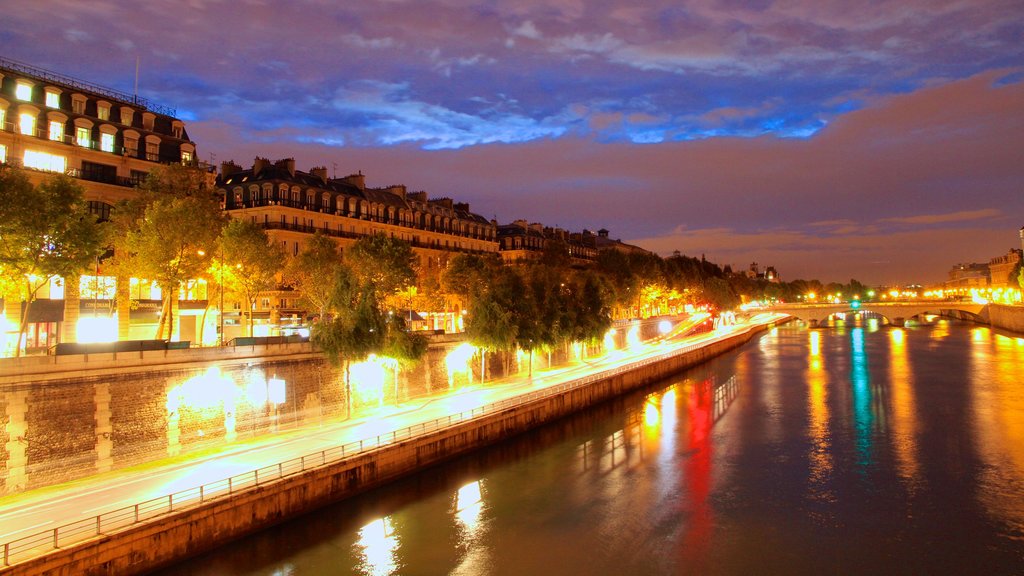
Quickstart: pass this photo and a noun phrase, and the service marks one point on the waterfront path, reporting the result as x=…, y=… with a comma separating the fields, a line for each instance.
x=41, y=511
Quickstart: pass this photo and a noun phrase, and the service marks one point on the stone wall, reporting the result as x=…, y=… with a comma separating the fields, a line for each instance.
x=68, y=418
x=1009, y=318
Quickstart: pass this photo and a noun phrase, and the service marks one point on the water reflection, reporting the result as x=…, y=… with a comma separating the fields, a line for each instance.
x=904, y=406
x=861, y=383
x=858, y=452
x=376, y=548
x=818, y=413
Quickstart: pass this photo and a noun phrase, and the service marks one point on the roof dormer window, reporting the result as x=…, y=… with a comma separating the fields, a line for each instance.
x=23, y=91
x=103, y=110
x=78, y=103
x=52, y=97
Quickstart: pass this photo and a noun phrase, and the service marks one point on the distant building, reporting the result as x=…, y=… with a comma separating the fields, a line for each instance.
x=520, y=242
x=967, y=276
x=770, y=273
x=1001, y=268
x=291, y=205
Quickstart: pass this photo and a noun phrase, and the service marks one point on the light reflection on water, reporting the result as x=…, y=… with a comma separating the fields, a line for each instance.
x=848, y=449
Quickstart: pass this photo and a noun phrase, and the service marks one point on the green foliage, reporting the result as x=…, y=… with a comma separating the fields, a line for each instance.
x=384, y=264
x=357, y=322
x=167, y=233
x=251, y=261
x=311, y=273
x=46, y=231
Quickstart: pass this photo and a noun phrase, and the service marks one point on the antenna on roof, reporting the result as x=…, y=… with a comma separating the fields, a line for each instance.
x=335, y=164
x=136, y=94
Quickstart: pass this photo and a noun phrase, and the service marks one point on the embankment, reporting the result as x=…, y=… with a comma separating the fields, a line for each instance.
x=147, y=546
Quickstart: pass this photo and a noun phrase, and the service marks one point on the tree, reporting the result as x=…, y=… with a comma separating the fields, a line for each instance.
x=46, y=231
x=311, y=273
x=358, y=321
x=165, y=234
x=251, y=262
x=385, y=264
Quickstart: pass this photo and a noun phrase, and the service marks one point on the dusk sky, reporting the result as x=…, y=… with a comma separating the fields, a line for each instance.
x=882, y=141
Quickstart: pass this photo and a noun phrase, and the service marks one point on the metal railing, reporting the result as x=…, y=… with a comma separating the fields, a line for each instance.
x=28, y=547
x=57, y=78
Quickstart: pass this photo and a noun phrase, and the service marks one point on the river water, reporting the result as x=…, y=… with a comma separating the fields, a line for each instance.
x=853, y=449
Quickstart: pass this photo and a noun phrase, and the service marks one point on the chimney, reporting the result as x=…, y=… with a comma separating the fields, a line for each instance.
x=1022, y=238
x=288, y=164
x=228, y=168
x=320, y=172
x=397, y=190
x=258, y=165
x=462, y=206
x=357, y=180
x=418, y=196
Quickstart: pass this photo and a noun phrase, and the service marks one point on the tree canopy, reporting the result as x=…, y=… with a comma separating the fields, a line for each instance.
x=46, y=232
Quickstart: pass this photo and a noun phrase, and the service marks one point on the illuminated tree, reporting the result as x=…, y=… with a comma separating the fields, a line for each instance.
x=384, y=264
x=165, y=234
x=357, y=322
x=251, y=262
x=46, y=231
x=311, y=273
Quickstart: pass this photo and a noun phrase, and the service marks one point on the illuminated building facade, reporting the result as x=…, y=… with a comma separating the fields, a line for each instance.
x=522, y=242
x=108, y=141
x=292, y=205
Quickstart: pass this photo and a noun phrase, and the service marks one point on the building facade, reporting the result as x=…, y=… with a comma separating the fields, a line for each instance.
x=109, y=141
x=292, y=205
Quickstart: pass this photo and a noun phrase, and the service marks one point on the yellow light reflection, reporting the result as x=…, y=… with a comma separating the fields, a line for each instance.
x=609, y=340
x=633, y=336
x=368, y=379
x=904, y=422
x=92, y=330
x=208, y=390
x=817, y=399
x=469, y=508
x=458, y=362
x=377, y=544
x=651, y=416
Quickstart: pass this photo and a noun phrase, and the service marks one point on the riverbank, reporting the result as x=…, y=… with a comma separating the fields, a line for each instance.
x=212, y=519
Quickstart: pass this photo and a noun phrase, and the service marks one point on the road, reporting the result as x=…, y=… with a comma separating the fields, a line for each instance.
x=45, y=509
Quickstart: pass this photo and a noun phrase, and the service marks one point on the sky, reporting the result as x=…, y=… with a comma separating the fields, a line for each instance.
x=881, y=141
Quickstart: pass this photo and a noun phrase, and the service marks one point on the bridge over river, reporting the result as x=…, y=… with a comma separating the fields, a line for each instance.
x=897, y=313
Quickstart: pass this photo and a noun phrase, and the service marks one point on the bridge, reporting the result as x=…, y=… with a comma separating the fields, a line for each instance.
x=897, y=313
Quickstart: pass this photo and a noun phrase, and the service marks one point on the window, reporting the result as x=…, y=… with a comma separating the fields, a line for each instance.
x=44, y=161
x=78, y=104
x=52, y=99
x=99, y=209
x=131, y=146
x=3, y=153
x=23, y=91
x=103, y=110
x=56, y=130
x=127, y=115
x=186, y=157
x=137, y=177
x=107, y=142
x=27, y=124
x=3, y=117
x=82, y=136
x=152, y=151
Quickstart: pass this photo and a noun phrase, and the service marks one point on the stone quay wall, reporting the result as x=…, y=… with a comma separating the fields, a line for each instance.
x=189, y=532
x=1009, y=318
x=64, y=418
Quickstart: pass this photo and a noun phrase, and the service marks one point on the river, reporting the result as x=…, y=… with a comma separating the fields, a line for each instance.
x=854, y=449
